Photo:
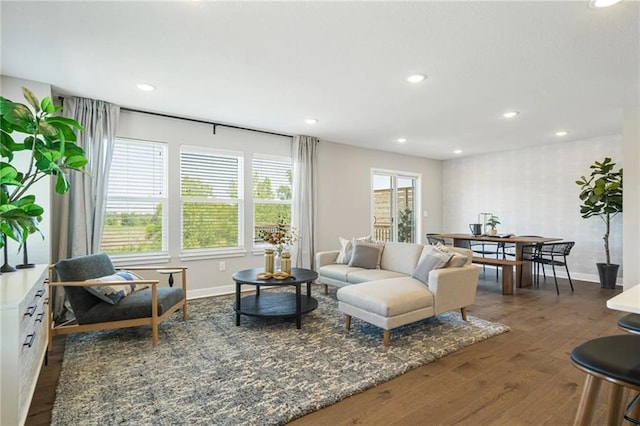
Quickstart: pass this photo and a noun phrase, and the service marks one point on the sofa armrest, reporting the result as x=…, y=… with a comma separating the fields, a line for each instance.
x=454, y=288
x=326, y=258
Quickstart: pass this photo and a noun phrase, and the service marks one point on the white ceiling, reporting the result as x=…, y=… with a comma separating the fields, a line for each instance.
x=271, y=65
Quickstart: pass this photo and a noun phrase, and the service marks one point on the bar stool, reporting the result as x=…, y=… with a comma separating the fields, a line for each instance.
x=611, y=358
x=630, y=323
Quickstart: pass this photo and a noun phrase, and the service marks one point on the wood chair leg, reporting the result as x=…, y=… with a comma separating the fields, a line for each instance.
x=154, y=313
x=347, y=322
x=184, y=288
x=386, y=337
x=463, y=313
x=587, y=401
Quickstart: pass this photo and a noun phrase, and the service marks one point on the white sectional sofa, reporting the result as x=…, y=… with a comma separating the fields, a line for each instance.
x=389, y=297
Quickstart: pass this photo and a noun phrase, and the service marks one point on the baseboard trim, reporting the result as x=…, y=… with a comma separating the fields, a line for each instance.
x=574, y=275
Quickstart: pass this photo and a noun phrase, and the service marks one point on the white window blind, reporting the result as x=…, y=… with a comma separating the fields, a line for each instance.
x=135, y=221
x=211, y=191
x=271, y=189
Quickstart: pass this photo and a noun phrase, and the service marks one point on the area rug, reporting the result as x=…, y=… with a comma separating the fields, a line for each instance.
x=208, y=371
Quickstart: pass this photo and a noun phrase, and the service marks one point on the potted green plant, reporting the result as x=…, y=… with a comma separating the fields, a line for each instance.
x=492, y=222
x=601, y=195
x=50, y=140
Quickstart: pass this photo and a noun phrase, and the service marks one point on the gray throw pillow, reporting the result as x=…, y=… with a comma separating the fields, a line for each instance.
x=431, y=260
x=366, y=255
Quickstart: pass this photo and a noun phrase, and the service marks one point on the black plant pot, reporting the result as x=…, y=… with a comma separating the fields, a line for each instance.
x=608, y=274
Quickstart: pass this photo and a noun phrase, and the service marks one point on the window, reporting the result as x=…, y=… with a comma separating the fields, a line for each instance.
x=394, y=206
x=211, y=190
x=271, y=182
x=135, y=221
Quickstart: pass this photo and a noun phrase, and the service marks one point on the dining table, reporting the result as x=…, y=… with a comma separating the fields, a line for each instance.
x=627, y=301
x=524, y=271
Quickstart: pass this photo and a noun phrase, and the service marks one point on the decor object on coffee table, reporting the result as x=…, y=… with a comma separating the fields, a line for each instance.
x=601, y=196
x=95, y=309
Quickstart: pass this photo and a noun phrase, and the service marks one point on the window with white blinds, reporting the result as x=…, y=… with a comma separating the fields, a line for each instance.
x=211, y=190
x=271, y=188
x=135, y=221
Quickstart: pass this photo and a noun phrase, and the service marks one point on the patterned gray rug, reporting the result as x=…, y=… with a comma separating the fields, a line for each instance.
x=207, y=371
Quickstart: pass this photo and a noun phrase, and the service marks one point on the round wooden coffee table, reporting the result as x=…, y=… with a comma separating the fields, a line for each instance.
x=275, y=304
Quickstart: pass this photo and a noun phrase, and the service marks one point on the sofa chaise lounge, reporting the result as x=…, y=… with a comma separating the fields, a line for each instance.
x=389, y=296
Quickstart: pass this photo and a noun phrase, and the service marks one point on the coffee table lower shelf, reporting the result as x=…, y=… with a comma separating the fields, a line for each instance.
x=274, y=305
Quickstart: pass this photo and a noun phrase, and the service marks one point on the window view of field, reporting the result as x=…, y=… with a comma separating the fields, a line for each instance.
x=211, y=207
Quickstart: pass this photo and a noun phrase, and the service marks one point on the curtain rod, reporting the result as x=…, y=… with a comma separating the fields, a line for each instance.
x=214, y=124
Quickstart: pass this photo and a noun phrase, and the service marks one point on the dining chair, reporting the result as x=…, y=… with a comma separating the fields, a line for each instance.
x=553, y=254
x=486, y=249
x=433, y=239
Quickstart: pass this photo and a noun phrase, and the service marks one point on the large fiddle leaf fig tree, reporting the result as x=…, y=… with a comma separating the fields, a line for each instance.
x=601, y=195
x=50, y=142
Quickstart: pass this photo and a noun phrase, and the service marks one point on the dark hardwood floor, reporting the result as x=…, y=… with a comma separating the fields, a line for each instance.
x=523, y=377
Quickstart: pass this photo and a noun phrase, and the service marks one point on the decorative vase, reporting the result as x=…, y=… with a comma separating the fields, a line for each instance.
x=25, y=258
x=6, y=267
x=268, y=260
x=493, y=231
x=286, y=262
x=277, y=260
x=608, y=274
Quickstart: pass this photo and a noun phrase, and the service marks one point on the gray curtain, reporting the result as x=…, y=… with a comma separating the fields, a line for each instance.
x=305, y=176
x=78, y=217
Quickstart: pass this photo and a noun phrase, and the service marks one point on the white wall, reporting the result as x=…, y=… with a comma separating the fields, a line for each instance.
x=344, y=188
x=533, y=191
x=204, y=276
x=631, y=150
x=344, y=193
x=37, y=247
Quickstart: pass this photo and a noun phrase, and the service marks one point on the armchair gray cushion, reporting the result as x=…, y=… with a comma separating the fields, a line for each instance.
x=135, y=305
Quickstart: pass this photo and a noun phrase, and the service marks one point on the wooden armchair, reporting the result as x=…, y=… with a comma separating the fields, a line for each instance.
x=149, y=306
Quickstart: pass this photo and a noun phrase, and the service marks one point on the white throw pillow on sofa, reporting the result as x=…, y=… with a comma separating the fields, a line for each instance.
x=346, y=248
x=457, y=260
x=433, y=259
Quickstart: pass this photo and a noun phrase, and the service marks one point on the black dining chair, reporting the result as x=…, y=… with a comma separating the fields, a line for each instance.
x=553, y=254
x=433, y=239
x=486, y=249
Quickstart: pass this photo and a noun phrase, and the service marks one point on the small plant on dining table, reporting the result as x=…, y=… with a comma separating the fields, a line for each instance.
x=493, y=222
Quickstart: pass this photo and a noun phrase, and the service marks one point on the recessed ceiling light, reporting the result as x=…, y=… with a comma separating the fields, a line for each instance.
x=416, y=78
x=562, y=133
x=510, y=114
x=402, y=140
x=311, y=121
x=146, y=87
x=457, y=151
x=597, y=4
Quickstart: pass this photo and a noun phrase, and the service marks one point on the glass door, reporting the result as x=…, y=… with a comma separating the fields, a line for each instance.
x=394, y=206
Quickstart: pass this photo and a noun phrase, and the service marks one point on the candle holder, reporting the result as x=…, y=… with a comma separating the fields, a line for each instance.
x=25, y=258
x=6, y=267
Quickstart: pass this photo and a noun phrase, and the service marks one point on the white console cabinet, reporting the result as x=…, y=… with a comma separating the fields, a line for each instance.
x=23, y=339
